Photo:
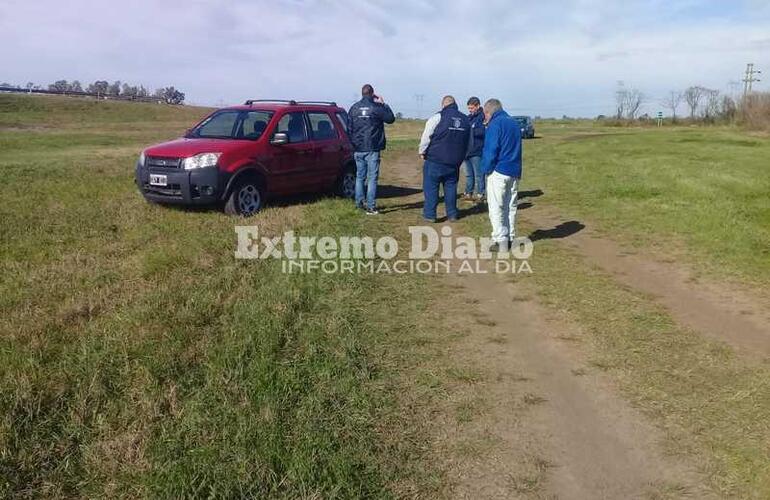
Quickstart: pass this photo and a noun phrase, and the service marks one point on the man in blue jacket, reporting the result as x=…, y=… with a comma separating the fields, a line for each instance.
x=367, y=134
x=474, y=178
x=501, y=162
x=443, y=146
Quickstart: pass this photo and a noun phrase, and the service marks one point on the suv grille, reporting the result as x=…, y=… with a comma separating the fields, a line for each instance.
x=155, y=161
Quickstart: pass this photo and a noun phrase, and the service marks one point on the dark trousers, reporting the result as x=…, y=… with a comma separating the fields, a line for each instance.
x=435, y=175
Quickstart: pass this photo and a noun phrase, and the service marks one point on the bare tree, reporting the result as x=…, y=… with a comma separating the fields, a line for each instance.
x=672, y=102
x=693, y=96
x=621, y=97
x=634, y=100
x=729, y=108
x=711, y=109
x=628, y=102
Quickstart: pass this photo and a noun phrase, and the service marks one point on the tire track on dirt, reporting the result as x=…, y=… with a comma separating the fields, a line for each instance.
x=554, y=429
x=721, y=312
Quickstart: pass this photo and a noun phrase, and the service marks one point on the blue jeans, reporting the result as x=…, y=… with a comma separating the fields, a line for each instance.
x=474, y=177
x=367, y=167
x=435, y=175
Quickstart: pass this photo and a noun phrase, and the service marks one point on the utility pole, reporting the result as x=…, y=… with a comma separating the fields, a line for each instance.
x=419, y=98
x=750, y=78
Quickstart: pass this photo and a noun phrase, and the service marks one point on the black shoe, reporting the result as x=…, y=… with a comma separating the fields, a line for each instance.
x=372, y=211
x=498, y=247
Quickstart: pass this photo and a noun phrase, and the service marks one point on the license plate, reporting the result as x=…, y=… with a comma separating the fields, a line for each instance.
x=158, y=180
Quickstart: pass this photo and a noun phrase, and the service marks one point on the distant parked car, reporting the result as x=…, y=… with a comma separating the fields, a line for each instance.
x=242, y=155
x=527, y=126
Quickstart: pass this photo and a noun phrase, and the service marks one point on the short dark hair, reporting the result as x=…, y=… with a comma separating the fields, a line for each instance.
x=367, y=90
x=474, y=101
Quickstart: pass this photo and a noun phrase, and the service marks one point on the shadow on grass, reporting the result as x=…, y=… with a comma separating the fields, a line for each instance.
x=563, y=230
x=385, y=191
x=535, y=193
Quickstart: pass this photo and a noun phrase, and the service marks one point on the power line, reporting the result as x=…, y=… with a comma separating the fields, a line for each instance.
x=419, y=98
x=750, y=78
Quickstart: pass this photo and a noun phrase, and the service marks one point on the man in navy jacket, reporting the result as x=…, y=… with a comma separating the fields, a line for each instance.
x=367, y=134
x=501, y=162
x=474, y=177
x=443, y=146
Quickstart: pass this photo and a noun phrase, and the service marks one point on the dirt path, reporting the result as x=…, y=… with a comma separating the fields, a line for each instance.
x=529, y=420
x=718, y=311
x=585, y=441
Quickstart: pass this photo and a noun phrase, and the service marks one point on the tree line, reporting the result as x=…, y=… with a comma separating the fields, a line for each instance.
x=701, y=105
x=103, y=88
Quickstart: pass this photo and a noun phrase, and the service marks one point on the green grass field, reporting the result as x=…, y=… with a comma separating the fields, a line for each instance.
x=698, y=193
x=141, y=360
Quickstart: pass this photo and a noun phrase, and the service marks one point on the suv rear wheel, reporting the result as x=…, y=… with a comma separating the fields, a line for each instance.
x=346, y=184
x=246, y=198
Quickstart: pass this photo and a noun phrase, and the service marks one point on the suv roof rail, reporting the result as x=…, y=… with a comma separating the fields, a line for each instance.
x=326, y=103
x=290, y=102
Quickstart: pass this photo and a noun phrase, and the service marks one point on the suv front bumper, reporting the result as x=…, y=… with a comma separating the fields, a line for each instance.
x=202, y=186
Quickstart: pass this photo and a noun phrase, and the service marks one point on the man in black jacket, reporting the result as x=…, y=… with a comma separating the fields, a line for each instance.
x=474, y=177
x=367, y=133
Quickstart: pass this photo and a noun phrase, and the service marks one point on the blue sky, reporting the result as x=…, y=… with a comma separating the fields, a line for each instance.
x=542, y=58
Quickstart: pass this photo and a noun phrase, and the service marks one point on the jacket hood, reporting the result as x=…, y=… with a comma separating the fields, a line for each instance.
x=450, y=106
x=499, y=113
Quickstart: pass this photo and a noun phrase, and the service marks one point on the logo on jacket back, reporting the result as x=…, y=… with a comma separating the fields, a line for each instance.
x=364, y=112
x=457, y=124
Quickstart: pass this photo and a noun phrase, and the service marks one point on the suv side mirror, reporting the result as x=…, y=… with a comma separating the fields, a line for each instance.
x=279, y=138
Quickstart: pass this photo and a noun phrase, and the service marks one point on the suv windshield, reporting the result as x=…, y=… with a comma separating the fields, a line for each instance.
x=233, y=124
x=523, y=120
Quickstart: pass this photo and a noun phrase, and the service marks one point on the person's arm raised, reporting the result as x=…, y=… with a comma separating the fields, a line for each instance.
x=387, y=113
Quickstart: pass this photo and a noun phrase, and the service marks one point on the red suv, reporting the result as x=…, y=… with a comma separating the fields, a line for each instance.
x=243, y=155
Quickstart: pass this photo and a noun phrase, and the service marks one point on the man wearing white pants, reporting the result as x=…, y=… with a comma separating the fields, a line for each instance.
x=501, y=162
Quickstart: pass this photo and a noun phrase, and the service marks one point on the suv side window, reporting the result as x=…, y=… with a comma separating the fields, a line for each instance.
x=321, y=126
x=343, y=118
x=253, y=124
x=293, y=124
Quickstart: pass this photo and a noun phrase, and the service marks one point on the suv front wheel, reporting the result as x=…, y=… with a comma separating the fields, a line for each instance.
x=246, y=198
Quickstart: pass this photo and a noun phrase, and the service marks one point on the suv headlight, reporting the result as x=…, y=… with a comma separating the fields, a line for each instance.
x=201, y=160
x=141, y=159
